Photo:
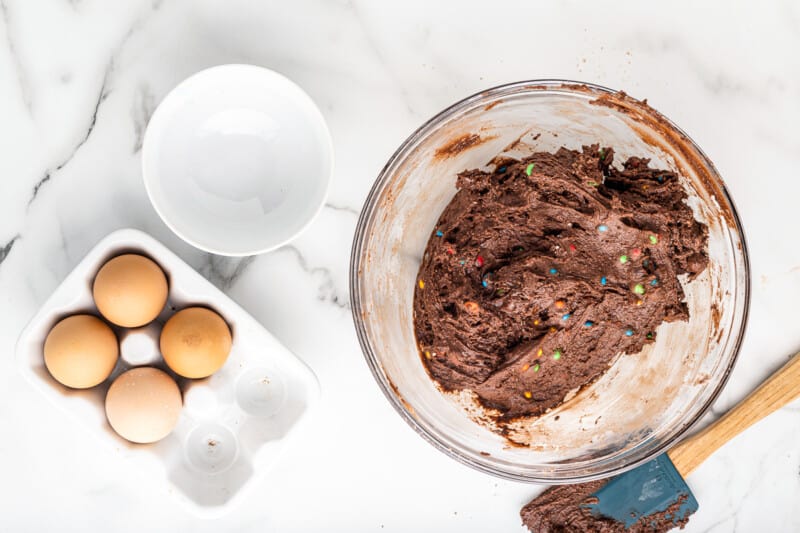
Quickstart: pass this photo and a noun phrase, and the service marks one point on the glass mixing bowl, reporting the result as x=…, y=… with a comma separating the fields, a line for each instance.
x=645, y=401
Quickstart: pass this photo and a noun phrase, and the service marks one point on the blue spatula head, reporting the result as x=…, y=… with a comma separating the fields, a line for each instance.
x=653, y=491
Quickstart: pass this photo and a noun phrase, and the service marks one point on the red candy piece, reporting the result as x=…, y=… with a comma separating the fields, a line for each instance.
x=479, y=261
x=636, y=253
x=572, y=248
x=450, y=251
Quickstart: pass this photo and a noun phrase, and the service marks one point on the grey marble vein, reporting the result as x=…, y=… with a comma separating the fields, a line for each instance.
x=22, y=77
x=101, y=96
x=103, y=93
x=327, y=291
x=224, y=272
x=44, y=179
x=343, y=208
x=65, y=240
x=144, y=103
x=6, y=248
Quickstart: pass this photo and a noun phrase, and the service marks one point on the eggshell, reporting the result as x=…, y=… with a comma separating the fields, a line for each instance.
x=143, y=405
x=195, y=342
x=81, y=351
x=130, y=290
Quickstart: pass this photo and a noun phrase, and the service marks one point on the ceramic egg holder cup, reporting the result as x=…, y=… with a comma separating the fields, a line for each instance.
x=233, y=424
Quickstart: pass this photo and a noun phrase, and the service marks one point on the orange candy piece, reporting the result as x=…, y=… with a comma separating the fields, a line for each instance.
x=471, y=307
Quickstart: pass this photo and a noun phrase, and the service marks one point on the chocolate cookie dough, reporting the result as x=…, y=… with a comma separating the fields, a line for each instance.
x=541, y=271
x=558, y=510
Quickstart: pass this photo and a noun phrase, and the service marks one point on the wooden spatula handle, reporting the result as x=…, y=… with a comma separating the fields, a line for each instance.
x=778, y=390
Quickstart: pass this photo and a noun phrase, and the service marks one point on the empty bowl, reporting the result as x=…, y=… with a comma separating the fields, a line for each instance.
x=237, y=160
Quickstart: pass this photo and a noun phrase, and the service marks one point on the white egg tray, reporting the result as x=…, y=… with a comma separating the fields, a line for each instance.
x=233, y=425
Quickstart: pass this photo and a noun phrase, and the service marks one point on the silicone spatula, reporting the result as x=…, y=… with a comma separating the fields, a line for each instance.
x=658, y=486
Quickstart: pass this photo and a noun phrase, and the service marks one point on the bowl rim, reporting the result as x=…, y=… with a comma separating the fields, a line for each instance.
x=365, y=216
x=156, y=123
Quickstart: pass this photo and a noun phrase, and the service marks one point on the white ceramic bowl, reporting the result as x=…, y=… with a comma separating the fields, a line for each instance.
x=237, y=160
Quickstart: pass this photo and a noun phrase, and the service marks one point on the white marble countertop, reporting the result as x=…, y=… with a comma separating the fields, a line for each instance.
x=78, y=81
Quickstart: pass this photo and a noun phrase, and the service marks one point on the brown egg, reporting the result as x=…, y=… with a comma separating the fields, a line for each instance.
x=195, y=342
x=143, y=405
x=130, y=290
x=81, y=351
